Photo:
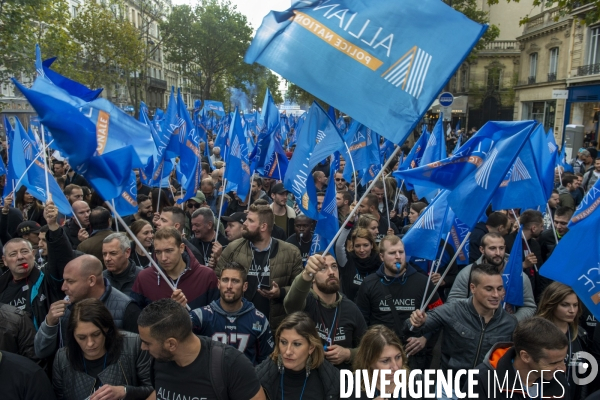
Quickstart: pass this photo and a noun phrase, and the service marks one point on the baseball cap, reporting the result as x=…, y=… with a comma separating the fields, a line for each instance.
x=235, y=217
x=27, y=227
x=279, y=189
x=199, y=197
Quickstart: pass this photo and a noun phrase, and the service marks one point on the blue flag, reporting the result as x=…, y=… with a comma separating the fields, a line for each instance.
x=545, y=152
x=299, y=172
x=401, y=64
x=11, y=177
x=277, y=162
x=328, y=142
x=172, y=125
x=327, y=224
x=189, y=157
x=434, y=151
x=413, y=159
x=584, y=275
x=521, y=187
x=475, y=172
x=237, y=169
x=423, y=238
x=214, y=106
x=512, y=275
x=561, y=161
x=126, y=203
x=386, y=150
x=269, y=127
x=458, y=143
x=458, y=233
x=26, y=150
x=363, y=149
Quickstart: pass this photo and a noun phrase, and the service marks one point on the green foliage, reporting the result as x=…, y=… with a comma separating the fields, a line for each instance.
x=264, y=79
x=208, y=43
x=566, y=7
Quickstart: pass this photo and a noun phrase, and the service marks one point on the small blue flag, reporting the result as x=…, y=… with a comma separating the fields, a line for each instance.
x=214, y=106
x=327, y=224
x=126, y=202
x=237, y=169
x=401, y=63
x=189, y=157
x=513, y=273
x=434, y=151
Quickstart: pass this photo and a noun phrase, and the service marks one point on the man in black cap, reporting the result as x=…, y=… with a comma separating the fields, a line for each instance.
x=30, y=231
x=284, y=214
x=234, y=224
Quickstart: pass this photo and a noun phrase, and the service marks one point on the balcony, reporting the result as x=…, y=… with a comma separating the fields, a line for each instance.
x=591, y=69
x=552, y=77
x=543, y=20
x=502, y=45
x=531, y=80
x=157, y=83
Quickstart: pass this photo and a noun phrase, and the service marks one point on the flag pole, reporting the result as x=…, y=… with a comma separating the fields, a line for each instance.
x=437, y=265
x=75, y=216
x=552, y=223
x=220, y=210
x=162, y=171
x=434, y=291
x=524, y=239
x=354, y=172
x=114, y=207
x=386, y=202
x=249, y=194
x=278, y=168
x=44, y=156
x=361, y=199
x=141, y=247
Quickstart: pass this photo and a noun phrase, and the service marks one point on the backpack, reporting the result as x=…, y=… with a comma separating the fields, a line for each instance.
x=216, y=371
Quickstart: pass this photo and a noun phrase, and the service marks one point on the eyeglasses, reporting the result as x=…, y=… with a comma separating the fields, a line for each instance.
x=193, y=205
x=339, y=179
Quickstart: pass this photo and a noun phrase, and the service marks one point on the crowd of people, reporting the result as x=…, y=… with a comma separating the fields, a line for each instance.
x=211, y=300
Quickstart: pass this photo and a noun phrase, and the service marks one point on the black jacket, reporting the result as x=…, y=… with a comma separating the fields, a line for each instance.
x=76, y=180
x=270, y=379
x=475, y=241
x=499, y=361
x=132, y=370
x=16, y=331
x=124, y=281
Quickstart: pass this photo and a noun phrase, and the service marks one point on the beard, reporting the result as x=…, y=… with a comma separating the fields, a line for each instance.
x=328, y=288
x=164, y=356
x=251, y=236
x=233, y=300
x=492, y=262
x=393, y=270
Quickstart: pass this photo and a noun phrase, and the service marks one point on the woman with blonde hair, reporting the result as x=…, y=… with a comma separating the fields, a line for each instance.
x=380, y=349
x=297, y=368
x=357, y=263
x=560, y=305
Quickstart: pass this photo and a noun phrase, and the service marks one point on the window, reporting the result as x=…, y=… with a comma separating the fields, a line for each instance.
x=553, y=69
x=532, y=67
x=74, y=11
x=464, y=80
x=594, y=49
x=494, y=76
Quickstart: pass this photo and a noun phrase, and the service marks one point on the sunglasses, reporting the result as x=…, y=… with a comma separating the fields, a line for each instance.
x=339, y=179
x=193, y=205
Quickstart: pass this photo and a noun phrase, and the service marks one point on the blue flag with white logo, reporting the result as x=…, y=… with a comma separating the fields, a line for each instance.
x=423, y=238
x=401, y=64
x=521, y=187
x=25, y=149
x=458, y=233
x=299, y=173
x=512, y=275
x=237, y=169
x=327, y=224
x=189, y=157
x=214, y=106
x=583, y=276
x=277, y=162
x=474, y=173
x=126, y=202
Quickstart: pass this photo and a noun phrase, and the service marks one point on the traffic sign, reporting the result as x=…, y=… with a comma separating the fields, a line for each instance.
x=446, y=99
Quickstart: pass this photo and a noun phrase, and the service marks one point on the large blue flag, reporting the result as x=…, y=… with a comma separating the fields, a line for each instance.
x=401, y=63
x=512, y=275
x=474, y=173
x=126, y=202
x=189, y=157
x=434, y=151
x=172, y=125
x=269, y=127
x=521, y=187
x=25, y=149
x=327, y=224
x=423, y=238
x=237, y=169
x=545, y=152
x=299, y=172
x=214, y=106
x=583, y=276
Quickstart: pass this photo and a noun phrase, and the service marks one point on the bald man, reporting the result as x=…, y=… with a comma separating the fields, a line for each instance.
x=82, y=279
x=76, y=233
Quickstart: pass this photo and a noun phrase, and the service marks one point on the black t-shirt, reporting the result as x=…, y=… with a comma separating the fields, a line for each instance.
x=303, y=247
x=293, y=384
x=205, y=248
x=383, y=227
x=259, y=273
x=93, y=369
x=193, y=381
x=21, y=378
x=17, y=295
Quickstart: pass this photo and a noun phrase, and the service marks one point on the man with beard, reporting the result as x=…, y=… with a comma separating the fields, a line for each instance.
x=271, y=264
x=185, y=363
x=234, y=320
x=390, y=295
x=370, y=205
x=302, y=238
x=144, y=210
x=339, y=321
x=493, y=251
x=284, y=214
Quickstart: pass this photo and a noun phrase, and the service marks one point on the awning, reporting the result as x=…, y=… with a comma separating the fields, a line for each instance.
x=459, y=106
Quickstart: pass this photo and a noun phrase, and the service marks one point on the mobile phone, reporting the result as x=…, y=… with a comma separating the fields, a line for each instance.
x=264, y=285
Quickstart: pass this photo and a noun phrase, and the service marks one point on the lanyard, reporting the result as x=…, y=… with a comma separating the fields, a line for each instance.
x=334, y=325
x=303, y=386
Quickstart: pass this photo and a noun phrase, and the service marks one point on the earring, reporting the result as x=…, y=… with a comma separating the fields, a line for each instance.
x=309, y=362
x=280, y=364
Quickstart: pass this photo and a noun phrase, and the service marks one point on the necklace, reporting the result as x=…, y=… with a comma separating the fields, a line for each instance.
x=266, y=269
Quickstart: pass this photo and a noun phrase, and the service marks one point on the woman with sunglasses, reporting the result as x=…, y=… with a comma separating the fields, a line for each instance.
x=99, y=361
x=357, y=263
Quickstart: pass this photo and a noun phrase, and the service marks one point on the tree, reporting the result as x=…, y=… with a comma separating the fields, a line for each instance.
x=208, y=43
x=111, y=46
x=566, y=7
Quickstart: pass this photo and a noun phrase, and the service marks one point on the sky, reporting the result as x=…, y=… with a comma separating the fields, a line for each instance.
x=254, y=10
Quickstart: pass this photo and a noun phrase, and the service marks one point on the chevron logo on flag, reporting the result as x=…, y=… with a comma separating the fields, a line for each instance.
x=427, y=221
x=483, y=175
x=519, y=172
x=409, y=71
